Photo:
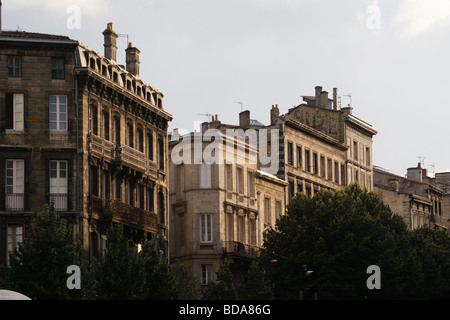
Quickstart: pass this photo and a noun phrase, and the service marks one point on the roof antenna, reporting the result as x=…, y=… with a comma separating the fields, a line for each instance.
x=241, y=103
x=205, y=114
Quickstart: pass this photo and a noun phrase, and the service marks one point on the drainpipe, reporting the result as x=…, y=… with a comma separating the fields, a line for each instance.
x=78, y=155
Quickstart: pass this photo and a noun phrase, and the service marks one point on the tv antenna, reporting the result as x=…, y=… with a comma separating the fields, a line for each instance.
x=206, y=115
x=350, y=97
x=421, y=160
x=241, y=103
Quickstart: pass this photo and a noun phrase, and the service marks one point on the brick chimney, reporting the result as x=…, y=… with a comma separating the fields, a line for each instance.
x=274, y=114
x=318, y=93
x=244, y=119
x=110, y=40
x=132, y=59
x=335, y=98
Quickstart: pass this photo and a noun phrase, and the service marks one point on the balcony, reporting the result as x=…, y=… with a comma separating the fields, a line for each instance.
x=59, y=201
x=122, y=154
x=14, y=202
x=126, y=214
x=240, y=249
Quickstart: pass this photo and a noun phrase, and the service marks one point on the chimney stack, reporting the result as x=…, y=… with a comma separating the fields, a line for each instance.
x=110, y=40
x=335, y=98
x=132, y=59
x=318, y=92
x=244, y=119
x=323, y=100
x=274, y=114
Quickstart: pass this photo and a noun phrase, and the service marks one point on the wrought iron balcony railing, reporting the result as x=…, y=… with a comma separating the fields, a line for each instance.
x=14, y=201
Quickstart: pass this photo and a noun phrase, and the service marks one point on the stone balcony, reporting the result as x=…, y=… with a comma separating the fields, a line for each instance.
x=117, y=211
x=123, y=155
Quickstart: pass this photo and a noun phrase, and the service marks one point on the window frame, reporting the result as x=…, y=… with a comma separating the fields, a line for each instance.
x=206, y=228
x=13, y=69
x=57, y=66
x=59, y=120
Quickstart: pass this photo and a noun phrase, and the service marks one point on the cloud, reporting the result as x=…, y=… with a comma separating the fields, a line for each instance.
x=417, y=16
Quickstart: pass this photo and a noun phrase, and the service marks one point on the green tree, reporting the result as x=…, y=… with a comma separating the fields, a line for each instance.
x=119, y=273
x=257, y=285
x=338, y=235
x=160, y=283
x=38, y=267
x=223, y=288
x=433, y=248
x=185, y=282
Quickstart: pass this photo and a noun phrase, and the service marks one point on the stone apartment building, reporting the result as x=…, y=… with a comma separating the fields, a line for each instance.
x=324, y=115
x=82, y=131
x=242, y=199
x=417, y=198
x=221, y=209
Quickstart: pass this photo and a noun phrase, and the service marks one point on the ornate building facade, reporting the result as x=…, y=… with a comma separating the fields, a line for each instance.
x=82, y=132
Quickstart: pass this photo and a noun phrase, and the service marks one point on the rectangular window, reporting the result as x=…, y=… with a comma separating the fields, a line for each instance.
x=14, y=111
x=140, y=140
x=251, y=184
x=315, y=164
x=229, y=177
x=329, y=169
x=343, y=175
x=267, y=215
x=58, y=184
x=307, y=161
x=299, y=186
x=15, y=184
x=336, y=172
x=291, y=191
x=58, y=113
x=94, y=119
x=57, y=68
x=322, y=166
x=355, y=150
x=105, y=125
x=117, y=131
x=368, y=156
x=15, y=237
x=240, y=180
x=206, y=276
x=299, y=156
x=14, y=67
x=278, y=209
x=205, y=175
x=149, y=145
x=205, y=228
x=290, y=153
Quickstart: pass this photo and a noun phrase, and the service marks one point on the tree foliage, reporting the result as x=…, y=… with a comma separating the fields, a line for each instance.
x=338, y=235
x=38, y=266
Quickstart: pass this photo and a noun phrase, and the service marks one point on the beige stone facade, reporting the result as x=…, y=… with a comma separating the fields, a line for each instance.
x=242, y=201
x=219, y=210
x=417, y=198
x=79, y=129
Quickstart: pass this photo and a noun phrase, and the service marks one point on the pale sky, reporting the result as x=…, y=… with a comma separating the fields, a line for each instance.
x=391, y=56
